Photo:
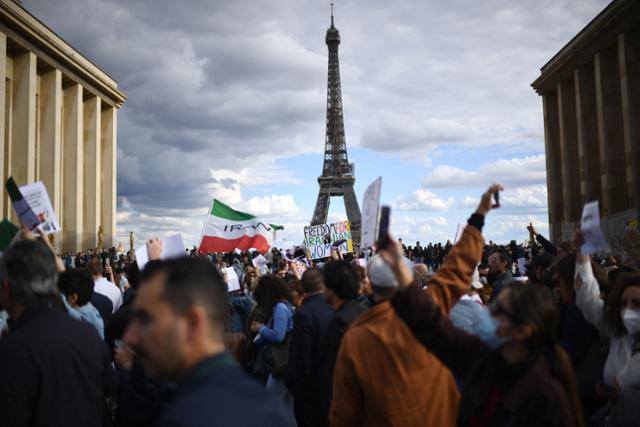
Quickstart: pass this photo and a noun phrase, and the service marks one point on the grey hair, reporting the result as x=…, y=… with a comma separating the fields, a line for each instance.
x=29, y=267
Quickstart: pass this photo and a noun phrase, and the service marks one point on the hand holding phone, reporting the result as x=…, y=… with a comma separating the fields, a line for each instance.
x=383, y=229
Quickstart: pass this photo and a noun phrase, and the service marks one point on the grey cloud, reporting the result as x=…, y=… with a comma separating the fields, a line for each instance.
x=213, y=83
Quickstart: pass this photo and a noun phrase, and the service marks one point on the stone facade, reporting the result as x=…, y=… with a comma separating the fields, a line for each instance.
x=591, y=101
x=58, y=124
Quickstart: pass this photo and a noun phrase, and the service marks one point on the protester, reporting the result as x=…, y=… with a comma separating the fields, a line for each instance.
x=180, y=315
x=517, y=375
x=76, y=286
x=310, y=325
x=365, y=294
x=274, y=337
x=54, y=370
x=421, y=274
x=618, y=319
x=579, y=339
x=341, y=292
x=467, y=313
x=499, y=271
x=104, y=286
x=379, y=354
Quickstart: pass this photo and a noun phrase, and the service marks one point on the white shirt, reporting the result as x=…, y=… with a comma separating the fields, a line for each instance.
x=620, y=364
x=111, y=291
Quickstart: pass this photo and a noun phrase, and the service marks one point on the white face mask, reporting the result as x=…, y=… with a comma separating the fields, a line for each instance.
x=631, y=320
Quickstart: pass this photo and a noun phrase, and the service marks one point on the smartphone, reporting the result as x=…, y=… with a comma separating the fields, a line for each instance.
x=496, y=196
x=383, y=229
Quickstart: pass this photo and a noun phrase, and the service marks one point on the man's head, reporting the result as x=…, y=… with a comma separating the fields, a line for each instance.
x=312, y=281
x=95, y=268
x=179, y=316
x=28, y=273
x=499, y=262
x=421, y=273
x=383, y=280
x=341, y=281
x=77, y=286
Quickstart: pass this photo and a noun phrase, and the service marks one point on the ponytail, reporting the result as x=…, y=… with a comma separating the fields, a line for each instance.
x=562, y=369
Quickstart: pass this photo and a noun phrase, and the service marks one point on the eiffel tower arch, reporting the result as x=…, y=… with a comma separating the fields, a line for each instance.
x=337, y=177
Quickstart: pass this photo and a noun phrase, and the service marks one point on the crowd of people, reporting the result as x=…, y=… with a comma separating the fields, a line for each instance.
x=470, y=333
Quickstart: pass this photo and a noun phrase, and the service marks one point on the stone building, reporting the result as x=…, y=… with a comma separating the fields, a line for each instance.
x=58, y=124
x=591, y=100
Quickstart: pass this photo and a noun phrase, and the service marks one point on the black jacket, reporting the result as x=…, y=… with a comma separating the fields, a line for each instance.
x=217, y=393
x=310, y=325
x=104, y=306
x=340, y=322
x=53, y=370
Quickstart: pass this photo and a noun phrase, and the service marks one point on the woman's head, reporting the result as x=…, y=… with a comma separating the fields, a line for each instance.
x=270, y=290
x=525, y=314
x=623, y=303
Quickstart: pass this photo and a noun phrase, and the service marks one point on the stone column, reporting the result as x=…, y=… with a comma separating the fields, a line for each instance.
x=3, y=95
x=72, y=221
x=108, y=171
x=585, y=88
x=92, y=166
x=569, y=150
x=554, y=163
x=23, y=141
x=610, y=134
x=629, y=65
x=51, y=136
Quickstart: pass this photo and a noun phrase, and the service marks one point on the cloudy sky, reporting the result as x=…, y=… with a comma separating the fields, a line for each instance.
x=227, y=100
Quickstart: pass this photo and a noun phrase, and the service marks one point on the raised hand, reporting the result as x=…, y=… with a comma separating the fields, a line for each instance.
x=486, y=201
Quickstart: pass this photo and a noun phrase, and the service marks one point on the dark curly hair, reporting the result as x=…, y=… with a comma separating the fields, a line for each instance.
x=269, y=291
x=77, y=281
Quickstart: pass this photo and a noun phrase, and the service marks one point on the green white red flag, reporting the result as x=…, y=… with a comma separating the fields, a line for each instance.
x=226, y=229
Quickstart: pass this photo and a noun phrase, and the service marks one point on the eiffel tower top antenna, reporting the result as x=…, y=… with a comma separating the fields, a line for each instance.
x=332, y=14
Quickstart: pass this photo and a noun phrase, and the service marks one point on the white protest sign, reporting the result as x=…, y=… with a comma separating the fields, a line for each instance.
x=594, y=240
x=233, y=283
x=38, y=199
x=172, y=247
x=319, y=239
x=370, y=209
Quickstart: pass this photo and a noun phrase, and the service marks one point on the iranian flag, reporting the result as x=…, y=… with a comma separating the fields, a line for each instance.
x=226, y=229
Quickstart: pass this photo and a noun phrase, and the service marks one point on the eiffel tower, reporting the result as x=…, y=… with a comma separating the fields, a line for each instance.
x=337, y=174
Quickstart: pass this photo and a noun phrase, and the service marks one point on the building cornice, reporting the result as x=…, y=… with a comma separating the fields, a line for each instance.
x=617, y=17
x=48, y=46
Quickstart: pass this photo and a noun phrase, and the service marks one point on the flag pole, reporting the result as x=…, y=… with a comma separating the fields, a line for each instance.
x=206, y=219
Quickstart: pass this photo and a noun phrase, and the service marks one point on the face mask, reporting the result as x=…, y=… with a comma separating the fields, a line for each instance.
x=485, y=329
x=631, y=320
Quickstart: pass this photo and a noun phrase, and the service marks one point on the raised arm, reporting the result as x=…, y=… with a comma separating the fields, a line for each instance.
x=546, y=244
x=454, y=347
x=277, y=333
x=587, y=290
x=454, y=276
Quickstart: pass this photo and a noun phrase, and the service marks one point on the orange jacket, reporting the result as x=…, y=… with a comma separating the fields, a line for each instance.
x=384, y=376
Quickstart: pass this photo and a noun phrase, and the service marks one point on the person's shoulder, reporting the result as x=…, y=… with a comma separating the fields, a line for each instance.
x=222, y=399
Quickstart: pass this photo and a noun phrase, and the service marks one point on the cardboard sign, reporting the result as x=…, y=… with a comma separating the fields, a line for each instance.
x=172, y=247
x=233, y=283
x=36, y=195
x=370, y=209
x=319, y=239
x=594, y=241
